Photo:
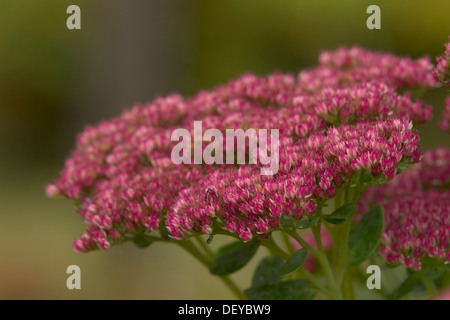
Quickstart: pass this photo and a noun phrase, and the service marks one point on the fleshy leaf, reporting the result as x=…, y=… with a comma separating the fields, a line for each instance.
x=233, y=257
x=365, y=236
x=268, y=271
x=341, y=214
x=141, y=241
x=294, y=263
x=297, y=289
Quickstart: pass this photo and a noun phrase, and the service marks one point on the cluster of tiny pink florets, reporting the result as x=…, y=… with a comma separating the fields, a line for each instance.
x=311, y=170
x=442, y=70
x=356, y=65
x=417, y=208
x=334, y=120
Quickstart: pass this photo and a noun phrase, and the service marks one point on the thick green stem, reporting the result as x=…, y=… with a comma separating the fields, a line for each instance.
x=344, y=277
x=347, y=286
x=317, y=229
x=343, y=252
x=446, y=279
x=338, y=201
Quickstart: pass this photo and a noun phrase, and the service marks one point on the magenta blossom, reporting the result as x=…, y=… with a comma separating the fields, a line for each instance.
x=334, y=120
x=246, y=203
x=354, y=66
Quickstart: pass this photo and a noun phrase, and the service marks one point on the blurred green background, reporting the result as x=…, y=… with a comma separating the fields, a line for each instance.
x=54, y=81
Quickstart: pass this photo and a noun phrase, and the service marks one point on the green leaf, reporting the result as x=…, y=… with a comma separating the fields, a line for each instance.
x=233, y=257
x=297, y=289
x=344, y=212
x=406, y=287
x=432, y=273
x=268, y=271
x=141, y=241
x=365, y=236
x=341, y=214
x=306, y=222
x=334, y=220
x=286, y=222
x=294, y=263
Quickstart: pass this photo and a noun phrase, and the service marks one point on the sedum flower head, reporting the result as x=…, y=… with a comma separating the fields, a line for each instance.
x=334, y=120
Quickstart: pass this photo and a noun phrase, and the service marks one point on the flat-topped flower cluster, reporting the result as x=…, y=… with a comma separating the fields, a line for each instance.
x=334, y=120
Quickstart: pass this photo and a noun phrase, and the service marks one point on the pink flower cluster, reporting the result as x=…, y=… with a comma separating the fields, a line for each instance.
x=333, y=120
x=445, y=121
x=311, y=170
x=352, y=66
x=417, y=211
x=442, y=70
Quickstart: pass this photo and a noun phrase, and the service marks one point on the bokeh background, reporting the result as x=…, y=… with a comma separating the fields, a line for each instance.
x=54, y=81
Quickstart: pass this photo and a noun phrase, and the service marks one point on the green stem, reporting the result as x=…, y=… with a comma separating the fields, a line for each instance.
x=346, y=228
x=347, y=193
x=233, y=287
x=338, y=200
x=430, y=286
x=315, y=282
x=288, y=243
x=275, y=249
x=192, y=249
x=358, y=189
x=317, y=229
x=206, y=261
x=322, y=258
x=446, y=279
x=343, y=252
x=347, y=286
x=304, y=244
x=204, y=246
